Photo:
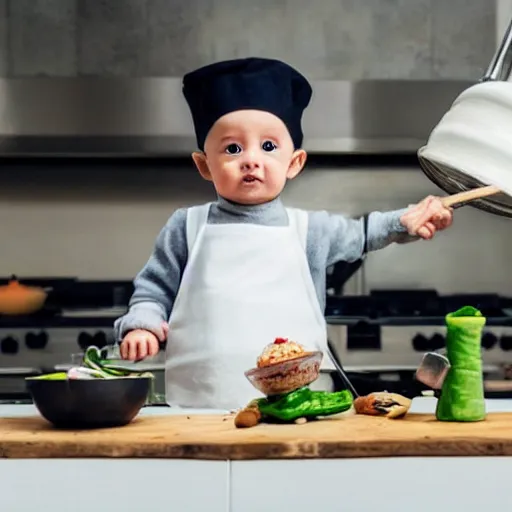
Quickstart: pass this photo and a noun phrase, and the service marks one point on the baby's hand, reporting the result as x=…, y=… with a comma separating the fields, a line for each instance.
x=139, y=343
x=427, y=217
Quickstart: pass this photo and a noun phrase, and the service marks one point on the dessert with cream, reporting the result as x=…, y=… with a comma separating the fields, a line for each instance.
x=279, y=351
x=284, y=366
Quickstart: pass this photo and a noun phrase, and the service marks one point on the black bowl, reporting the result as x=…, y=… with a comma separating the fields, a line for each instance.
x=95, y=403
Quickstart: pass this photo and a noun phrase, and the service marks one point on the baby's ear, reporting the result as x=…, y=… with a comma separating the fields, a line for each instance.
x=297, y=163
x=202, y=165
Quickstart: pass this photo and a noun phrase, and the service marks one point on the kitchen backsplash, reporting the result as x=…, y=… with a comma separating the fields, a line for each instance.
x=102, y=225
x=329, y=39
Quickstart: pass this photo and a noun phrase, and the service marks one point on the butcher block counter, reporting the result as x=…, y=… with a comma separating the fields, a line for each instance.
x=193, y=460
x=214, y=437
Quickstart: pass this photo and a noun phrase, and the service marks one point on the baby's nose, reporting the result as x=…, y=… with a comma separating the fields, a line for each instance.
x=250, y=163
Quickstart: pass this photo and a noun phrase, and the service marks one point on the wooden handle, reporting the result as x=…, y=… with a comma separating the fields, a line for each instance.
x=470, y=195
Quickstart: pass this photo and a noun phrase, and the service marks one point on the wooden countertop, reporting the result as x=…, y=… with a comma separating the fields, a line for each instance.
x=214, y=437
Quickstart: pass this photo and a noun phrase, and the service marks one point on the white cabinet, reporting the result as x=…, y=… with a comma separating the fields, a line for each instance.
x=111, y=485
x=402, y=484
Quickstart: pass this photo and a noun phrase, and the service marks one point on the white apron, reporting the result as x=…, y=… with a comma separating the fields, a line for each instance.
x=243, y=286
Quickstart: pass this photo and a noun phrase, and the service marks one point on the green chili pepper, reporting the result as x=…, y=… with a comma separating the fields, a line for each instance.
x=305, y=403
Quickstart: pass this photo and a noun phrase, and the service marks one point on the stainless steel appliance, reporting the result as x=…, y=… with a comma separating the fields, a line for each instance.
x=149, y=117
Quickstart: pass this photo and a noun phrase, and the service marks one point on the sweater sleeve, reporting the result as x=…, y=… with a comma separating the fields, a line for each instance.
x=341, y=238
x=157, y=284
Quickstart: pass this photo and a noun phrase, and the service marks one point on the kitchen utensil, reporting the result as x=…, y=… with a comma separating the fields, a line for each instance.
x=470, y=195
x=285, y=377
x=343, y=375
x=96, y=403
x=19, y=299
x=432, y=370
x=470, y=147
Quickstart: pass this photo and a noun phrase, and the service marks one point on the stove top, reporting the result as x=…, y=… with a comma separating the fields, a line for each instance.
x=73, y=303
x=379, y=338
x=395, y=307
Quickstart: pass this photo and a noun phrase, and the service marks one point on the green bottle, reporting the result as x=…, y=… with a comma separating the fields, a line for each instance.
x=462, y=394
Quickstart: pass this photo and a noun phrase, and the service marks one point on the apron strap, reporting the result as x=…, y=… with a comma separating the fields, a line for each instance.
x=299, y=221
x=197, y=216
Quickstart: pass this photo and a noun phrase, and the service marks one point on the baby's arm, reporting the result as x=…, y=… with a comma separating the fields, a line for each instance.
x=342, y=238
x=157, y=284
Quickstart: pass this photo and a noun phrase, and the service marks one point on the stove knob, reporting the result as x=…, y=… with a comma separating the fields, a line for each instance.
x=84, y=340
x=9, y=345
x=489, y=340
x=420, y=343
x=436, y=342
x=506, y=342
x=36, y=341
x=99, y=339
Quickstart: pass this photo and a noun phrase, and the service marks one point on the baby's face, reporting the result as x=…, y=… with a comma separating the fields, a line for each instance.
x=249, y=155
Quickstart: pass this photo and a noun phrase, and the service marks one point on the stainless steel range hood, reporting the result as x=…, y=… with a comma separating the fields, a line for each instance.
x=149, y=117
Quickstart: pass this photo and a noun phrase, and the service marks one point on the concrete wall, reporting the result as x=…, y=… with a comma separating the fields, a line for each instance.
x=98, y=224
x=339, y=39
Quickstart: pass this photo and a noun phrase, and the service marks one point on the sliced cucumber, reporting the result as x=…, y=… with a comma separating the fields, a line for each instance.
x=50, y=376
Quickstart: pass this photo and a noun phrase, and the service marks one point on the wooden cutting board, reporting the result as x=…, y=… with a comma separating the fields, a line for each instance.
x=215, y=437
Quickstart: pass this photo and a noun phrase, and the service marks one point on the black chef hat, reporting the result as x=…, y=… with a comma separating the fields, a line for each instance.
x=254, y=83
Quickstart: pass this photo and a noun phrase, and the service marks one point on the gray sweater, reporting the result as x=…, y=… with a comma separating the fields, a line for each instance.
x=330, y=238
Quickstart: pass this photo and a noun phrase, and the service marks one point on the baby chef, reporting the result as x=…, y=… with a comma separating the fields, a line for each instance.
x=228, y=277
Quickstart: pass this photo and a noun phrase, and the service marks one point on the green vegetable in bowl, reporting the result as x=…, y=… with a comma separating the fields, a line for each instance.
x=95, y=367
x=51, y=376
x=107, y=368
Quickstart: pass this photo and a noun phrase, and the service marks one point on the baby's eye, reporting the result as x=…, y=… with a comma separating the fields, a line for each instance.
x=268, y=145
x=233, y=149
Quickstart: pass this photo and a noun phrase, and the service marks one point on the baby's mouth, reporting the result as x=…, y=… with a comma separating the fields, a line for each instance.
x=250, y=179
